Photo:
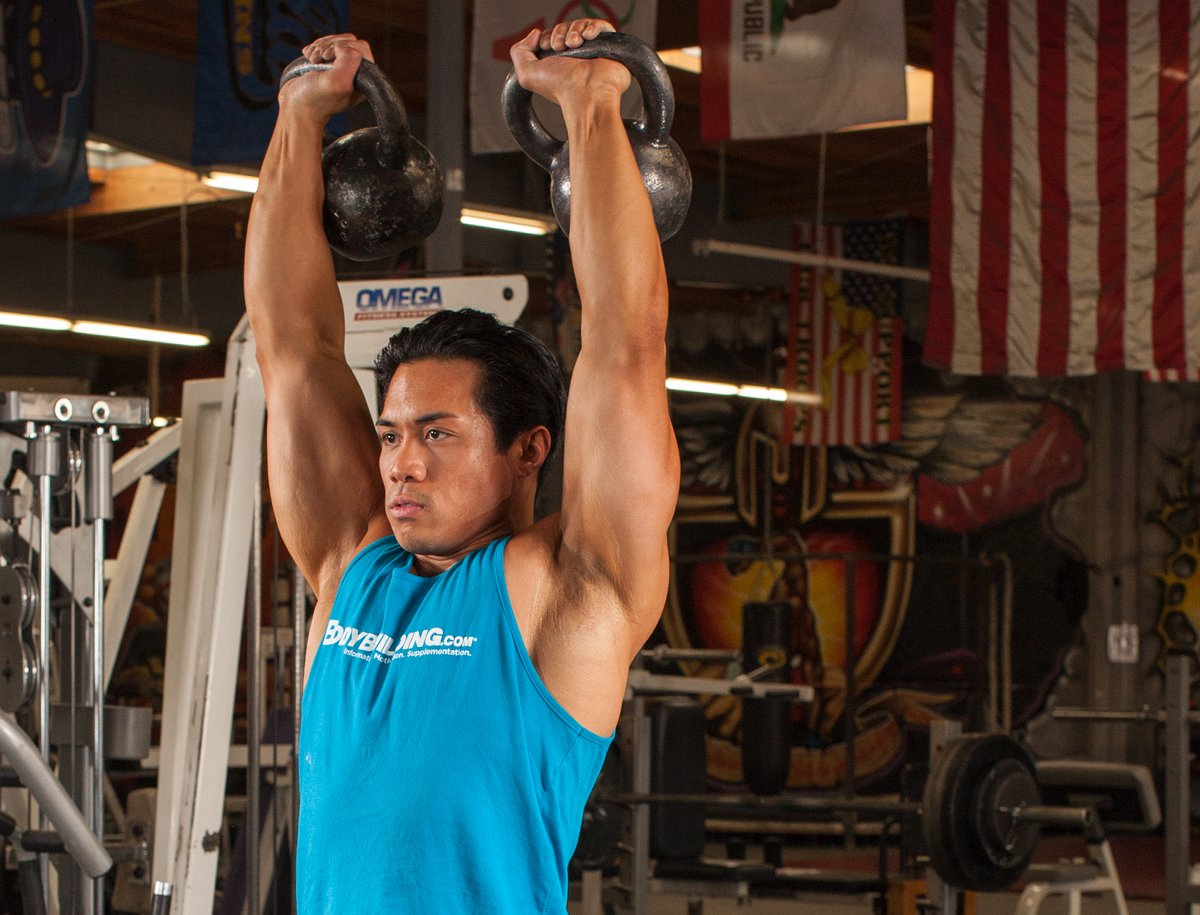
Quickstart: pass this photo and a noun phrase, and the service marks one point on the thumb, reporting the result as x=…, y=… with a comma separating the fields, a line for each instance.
x=524, y=51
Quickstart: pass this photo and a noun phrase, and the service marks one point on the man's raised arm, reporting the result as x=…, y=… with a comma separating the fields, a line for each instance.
x=621, y=463
x=322, y=453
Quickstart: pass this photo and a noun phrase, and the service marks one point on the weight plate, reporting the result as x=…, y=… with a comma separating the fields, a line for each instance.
x=1008, y=787
x=938, y=813
x=18, y=596
x=972, y=841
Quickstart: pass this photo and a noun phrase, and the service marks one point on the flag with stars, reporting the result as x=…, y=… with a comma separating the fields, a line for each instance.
x=849, y=340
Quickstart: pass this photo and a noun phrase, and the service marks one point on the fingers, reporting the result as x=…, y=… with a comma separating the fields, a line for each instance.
x=330, y=48
x=572, y=34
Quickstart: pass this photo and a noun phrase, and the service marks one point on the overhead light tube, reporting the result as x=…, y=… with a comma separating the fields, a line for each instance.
x=749, y=391
x=33, y=322
x=140, y=332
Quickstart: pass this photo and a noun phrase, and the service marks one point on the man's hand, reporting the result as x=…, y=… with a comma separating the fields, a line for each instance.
x=324, y=93
x=561, y=79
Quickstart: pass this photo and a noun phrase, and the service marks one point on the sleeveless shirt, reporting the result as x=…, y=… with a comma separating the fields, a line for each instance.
x=437, y=772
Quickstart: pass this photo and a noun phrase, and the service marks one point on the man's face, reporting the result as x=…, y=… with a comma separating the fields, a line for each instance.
x=447, y=486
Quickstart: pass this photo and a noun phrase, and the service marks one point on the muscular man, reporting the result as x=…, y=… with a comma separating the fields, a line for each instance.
x=465, y=666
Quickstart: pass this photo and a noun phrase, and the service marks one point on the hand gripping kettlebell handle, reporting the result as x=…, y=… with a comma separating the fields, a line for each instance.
x=391, y=117
x=658, y=98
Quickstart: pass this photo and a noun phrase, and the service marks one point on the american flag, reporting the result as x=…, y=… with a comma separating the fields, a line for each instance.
x=849, y=344
x=1065, y=204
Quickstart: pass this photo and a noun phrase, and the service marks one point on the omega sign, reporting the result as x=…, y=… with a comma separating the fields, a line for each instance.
x=378, y=303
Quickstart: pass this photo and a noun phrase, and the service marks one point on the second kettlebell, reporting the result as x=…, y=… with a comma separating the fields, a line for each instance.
x=665, y=171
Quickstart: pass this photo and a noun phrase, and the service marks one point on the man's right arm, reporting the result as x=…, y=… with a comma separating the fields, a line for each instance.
x=322, y=452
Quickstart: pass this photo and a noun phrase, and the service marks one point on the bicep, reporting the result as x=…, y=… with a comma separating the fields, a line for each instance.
x=322, y=462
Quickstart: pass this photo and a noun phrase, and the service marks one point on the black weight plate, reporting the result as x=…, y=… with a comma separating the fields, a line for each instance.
x=938, y=812
x=1009, y=786
x=969, y=842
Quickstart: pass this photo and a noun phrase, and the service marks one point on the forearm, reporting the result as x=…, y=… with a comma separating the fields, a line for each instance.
x=290, y=285
x=614, y=244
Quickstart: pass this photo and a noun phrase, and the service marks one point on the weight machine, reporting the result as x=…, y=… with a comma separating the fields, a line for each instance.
x=58, y=623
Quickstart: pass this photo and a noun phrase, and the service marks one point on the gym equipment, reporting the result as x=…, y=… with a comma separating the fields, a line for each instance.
x=1126, y=799
x=1177, y=719
x=665, y=171
x=69, y=470
x=767, y=722
x=383, y=188
x=980, y=813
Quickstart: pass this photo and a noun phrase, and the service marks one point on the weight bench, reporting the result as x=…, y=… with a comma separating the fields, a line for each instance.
x=1124, y=798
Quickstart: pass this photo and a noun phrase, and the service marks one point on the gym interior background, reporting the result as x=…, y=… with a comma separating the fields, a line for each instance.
x=1010, y=544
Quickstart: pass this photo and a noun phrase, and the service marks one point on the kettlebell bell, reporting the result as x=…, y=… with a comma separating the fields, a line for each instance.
x=383, y=188
x=664, y=169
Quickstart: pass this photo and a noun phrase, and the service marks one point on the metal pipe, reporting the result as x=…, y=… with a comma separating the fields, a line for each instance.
x=98, y=509
x=1143, y=715
x=641, y=683
x=45, y=458
x=53, y=800
x=1177, y=755
x=640, y=861
x=160, y=902
x=702, y=247
x=661, y=654
x=445, y=127
x=254, y=699
x=801, y=803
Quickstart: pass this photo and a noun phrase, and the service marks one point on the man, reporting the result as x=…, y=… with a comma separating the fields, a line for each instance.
x=465, y=666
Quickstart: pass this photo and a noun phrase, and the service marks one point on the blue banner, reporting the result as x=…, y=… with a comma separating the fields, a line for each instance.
x=242, y=47
x=45, y=104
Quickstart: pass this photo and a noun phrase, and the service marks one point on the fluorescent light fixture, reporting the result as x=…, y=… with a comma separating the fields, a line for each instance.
x=231, y=181
x=507, y=220
x=33, y=322
x=140, y=332
x=750, y=391
x=682, y=58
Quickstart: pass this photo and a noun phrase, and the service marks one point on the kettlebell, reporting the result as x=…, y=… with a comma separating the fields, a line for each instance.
x=664, y=169
x=383, y=188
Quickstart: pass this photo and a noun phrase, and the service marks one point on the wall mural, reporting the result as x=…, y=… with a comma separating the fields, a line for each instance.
x=888, y=643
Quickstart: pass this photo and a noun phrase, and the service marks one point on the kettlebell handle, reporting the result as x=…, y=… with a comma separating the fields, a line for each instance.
x=391, y=117
x=658, y=98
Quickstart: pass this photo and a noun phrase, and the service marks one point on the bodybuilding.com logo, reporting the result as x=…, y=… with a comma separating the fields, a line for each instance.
x=379, y=646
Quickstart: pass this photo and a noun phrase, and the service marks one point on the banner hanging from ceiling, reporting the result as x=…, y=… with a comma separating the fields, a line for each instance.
x=1064, y=206
x=242, y=48
x=45, y=62
x=499, y=24
x=780, y=68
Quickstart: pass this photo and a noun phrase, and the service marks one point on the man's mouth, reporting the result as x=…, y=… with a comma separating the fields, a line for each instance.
x=404, y=508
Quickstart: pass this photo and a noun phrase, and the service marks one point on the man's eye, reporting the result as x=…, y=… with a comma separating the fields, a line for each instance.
x=435, y=434
x=388, y=438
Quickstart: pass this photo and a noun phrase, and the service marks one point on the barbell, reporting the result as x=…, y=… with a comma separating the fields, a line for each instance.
x=981, y=812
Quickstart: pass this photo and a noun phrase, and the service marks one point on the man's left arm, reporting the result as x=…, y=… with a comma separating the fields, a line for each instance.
x=621, y=461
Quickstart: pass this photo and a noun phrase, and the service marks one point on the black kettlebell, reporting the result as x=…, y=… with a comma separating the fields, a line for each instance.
x=383, y=188
x=664, y=169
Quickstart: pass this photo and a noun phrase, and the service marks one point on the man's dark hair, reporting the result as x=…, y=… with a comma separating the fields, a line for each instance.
x=520, y=386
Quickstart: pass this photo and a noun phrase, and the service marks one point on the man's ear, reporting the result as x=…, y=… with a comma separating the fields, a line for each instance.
x=530, y=450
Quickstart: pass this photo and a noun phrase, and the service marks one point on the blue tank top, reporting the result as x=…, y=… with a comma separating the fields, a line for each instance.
x=437, y=773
